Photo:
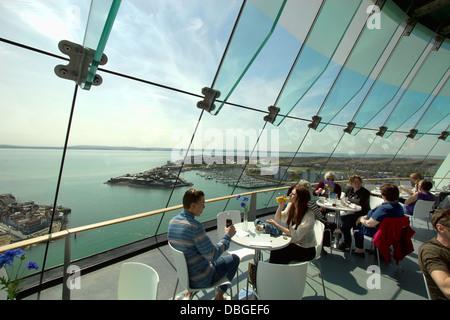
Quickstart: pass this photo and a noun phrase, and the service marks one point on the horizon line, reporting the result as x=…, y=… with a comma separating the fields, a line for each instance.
x=101, y=147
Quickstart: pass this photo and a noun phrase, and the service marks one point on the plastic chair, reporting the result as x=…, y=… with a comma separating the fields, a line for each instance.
x=426, y=286
x=318, y=234
x=375, y=201
x=372, y=247
x=281, y=281
x=137, y=281
x=183, y=275
x=243, y=253
x=422, y=209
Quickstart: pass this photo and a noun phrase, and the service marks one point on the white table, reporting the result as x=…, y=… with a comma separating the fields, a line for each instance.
x=258, y=240
x=338, y=207
x=377, y=192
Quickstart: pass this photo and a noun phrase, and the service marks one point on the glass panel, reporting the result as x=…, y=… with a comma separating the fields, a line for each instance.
x=43, y=24
x=129, y=127
x=256, y=25
x=426, y=81
x=316, y=55
x=275, y=60
x=388, y=87
x=367, y=53
x=32, y=132
x=101, y=19
x=438, y=110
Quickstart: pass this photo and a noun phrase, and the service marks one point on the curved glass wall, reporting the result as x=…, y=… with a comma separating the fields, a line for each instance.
x=295, y=55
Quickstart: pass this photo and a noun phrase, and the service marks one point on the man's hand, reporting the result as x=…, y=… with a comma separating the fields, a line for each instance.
x=231, y=230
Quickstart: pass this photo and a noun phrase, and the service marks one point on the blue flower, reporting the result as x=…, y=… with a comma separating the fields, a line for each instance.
x=243, y=204
x=245, y=199
x=8, y=257
x=238, y=197
x=32, y=265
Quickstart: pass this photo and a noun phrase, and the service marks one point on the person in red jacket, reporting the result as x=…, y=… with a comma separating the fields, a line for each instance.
x=397, y=233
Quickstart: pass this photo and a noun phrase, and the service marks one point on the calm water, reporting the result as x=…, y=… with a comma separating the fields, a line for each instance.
x=32, y=174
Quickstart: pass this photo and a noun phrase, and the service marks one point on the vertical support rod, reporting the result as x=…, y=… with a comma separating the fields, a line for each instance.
x=252, y=209
x=66, y=289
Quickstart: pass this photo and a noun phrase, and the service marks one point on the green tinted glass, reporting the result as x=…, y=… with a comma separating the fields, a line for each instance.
x=256, y=25
x=101, y=19
x=317, y=54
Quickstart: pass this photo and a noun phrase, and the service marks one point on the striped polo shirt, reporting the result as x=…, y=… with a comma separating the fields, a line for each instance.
x=188, y=235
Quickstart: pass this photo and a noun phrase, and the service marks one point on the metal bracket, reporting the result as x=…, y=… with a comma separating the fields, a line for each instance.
x=412, y=133
x=350, y=127
x=444, y=135
x=438, y=40
x=315, y=123
x=382, y=131
x=80, y=60
x=273, y=112
x=410, y=24
x=210, y=96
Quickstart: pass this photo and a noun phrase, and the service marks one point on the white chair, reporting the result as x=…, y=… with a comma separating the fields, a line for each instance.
x=244, y=254
x=281, y=281
x=137, y=281
x=375, y=201
x=372, y=247
x=183, y=275
x=422, y=209
x=426, y=286
x=318, y=233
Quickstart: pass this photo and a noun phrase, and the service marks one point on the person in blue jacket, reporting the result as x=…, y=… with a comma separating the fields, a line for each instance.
x=203, y=257
x=367, y=225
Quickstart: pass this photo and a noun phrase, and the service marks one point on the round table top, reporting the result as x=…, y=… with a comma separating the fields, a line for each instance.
x=339, y=206
x=377, y=192
x=258, y=240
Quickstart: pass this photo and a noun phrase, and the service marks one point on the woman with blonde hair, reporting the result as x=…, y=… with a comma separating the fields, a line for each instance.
x=415, y=179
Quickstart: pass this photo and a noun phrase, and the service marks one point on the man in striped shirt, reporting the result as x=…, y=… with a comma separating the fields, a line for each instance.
x=204, y=261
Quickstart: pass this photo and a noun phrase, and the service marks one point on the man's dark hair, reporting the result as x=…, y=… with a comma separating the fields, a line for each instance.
x=390, y=192
x=191, y=196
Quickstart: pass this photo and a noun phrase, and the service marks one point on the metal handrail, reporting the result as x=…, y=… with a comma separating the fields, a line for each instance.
x=75, y=230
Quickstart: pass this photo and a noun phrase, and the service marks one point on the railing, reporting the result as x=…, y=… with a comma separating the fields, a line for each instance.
x=68, y=232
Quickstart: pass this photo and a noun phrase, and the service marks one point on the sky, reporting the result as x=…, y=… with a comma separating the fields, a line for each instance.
x=178, y=44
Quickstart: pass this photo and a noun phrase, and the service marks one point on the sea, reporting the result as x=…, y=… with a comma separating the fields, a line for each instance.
x=32, y=174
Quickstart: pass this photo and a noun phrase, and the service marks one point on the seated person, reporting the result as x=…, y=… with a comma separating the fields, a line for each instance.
x=300, y=222
x=434, y=257
x=311, y=203
x=415, y=179
x=328, y=185
x=359, y=195
x=423, y=194
x=367, y=225
x=204, y=261
x=329, y=226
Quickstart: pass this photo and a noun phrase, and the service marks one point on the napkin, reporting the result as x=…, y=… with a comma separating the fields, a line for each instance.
x=241, y=233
